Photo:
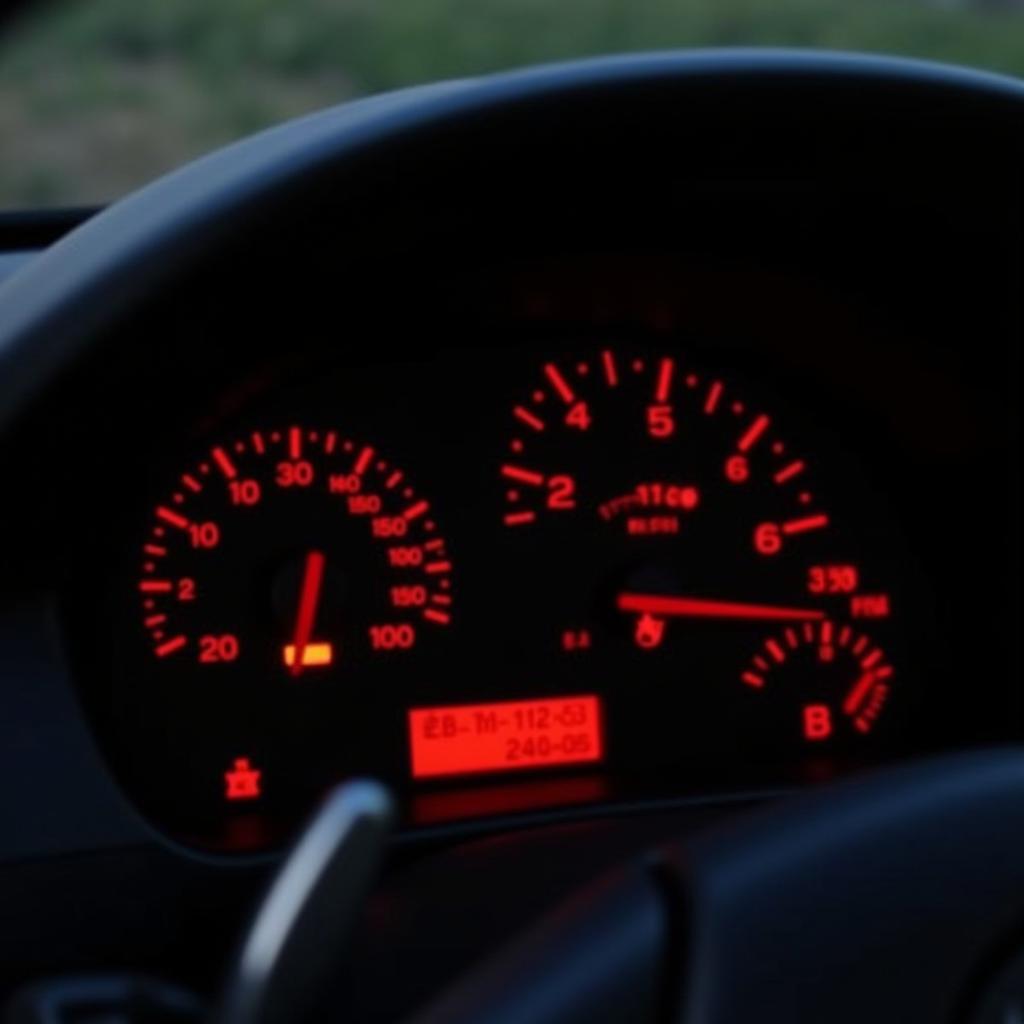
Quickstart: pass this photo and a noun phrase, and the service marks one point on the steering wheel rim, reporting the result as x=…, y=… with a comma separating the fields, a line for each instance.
x=890, y=897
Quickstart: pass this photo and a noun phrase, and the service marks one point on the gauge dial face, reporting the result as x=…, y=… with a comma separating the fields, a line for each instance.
x=691, y=561
x=288, y=579
x=834, y=680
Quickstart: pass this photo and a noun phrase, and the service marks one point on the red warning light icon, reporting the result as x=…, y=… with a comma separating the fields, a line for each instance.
x=242, y=781
x=649, y=632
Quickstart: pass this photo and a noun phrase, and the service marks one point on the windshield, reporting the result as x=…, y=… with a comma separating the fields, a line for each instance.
x=99, y=96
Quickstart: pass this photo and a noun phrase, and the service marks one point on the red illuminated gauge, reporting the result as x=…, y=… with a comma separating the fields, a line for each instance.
x=827, y=680
x=672, y=521
x=289, y=582
x=317, y=520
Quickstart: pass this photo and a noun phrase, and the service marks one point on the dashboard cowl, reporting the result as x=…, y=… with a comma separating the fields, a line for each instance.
x=61, y=303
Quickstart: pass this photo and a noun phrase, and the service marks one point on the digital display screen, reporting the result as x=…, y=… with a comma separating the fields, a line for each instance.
x=463, y=739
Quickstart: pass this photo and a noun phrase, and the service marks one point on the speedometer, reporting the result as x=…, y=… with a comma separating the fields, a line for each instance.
x=693, y=567
x=292, y=550
x=291, y=581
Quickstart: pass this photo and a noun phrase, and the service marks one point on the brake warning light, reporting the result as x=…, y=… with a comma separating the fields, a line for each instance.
x=468, y=738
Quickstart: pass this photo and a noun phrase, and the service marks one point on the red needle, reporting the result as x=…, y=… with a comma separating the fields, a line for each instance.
x=860, y=690
x=702, y=608
x=309, y=597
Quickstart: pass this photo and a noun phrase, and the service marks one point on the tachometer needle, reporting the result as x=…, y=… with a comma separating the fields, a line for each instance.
x=703, y=608
x=309, y=598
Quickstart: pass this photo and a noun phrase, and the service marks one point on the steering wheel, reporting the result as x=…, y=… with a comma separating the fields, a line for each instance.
x=892, y=898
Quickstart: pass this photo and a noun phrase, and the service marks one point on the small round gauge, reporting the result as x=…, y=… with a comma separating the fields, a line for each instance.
x=677, y=528
x=825, y=682
x=287, y=580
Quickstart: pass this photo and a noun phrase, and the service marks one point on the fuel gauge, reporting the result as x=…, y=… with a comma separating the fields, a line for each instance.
x=825, y=681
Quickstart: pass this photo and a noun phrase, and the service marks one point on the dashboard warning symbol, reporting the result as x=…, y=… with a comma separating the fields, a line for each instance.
x=242, y=781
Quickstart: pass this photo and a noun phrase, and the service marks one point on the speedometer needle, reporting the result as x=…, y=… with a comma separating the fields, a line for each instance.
x=703, y=608
x=309, y=598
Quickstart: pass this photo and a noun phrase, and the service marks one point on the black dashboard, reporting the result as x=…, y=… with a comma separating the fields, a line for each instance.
x=653, y=446
x=667, y=549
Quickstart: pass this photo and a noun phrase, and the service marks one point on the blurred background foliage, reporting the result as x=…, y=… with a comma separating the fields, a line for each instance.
x=97, y=96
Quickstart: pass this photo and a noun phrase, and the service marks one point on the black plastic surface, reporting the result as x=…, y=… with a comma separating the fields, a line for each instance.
x=59, y=306
x=600, y=959
x=878, y=899
x=882, y=899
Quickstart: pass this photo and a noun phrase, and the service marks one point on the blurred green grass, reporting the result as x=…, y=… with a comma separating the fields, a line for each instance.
x=98, y=96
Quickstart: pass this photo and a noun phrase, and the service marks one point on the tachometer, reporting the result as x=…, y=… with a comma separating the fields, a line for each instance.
x=691, y=562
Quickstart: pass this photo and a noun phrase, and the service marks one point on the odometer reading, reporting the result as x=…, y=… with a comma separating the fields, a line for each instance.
x=505, y=736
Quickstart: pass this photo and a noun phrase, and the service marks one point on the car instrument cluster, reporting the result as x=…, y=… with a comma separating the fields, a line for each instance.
x=607, y=571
